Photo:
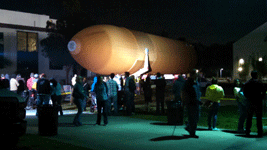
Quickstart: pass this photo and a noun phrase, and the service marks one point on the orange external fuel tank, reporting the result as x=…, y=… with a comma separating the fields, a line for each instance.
x=105, y=49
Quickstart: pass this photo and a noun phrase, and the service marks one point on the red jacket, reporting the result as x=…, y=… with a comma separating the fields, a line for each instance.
x=30, y=83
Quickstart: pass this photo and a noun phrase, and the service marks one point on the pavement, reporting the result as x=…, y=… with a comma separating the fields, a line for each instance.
x=125, y=133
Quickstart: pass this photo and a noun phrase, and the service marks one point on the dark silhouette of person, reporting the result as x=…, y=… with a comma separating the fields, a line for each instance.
x=191, y=98
x=129, y=90
x=160, y=94
x=147, y=92
x=254, y=91
x=101, y=90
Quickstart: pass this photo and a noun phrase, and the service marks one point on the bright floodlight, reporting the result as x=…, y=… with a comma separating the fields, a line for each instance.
x=260, y=59
x=241, y=61
x=240, y=69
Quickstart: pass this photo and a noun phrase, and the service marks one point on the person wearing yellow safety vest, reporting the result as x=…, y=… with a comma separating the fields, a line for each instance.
x=214, y=93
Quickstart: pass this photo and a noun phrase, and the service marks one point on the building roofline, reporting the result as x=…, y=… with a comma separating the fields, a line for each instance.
x=14, y=26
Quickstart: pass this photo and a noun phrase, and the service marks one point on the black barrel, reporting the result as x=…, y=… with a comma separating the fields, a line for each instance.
x=48, y=120
x=174, y=113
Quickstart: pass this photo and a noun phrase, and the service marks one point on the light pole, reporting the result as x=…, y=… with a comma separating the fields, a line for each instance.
x=221, y=72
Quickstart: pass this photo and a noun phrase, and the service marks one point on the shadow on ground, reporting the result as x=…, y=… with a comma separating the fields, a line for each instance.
x=166, y=138
x=163, y=124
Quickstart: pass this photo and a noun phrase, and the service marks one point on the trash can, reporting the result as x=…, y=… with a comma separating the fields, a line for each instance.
x=48, y=120
x=174, y=113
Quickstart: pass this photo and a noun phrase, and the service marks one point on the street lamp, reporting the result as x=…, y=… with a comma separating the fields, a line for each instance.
x=240, y=69
x=221, y=72
x=260, y=59
x=241, y=61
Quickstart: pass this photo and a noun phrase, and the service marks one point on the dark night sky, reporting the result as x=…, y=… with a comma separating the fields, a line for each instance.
x=205, y=21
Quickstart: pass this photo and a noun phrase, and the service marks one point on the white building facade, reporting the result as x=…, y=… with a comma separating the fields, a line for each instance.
x=254, y=42
x=20, y=36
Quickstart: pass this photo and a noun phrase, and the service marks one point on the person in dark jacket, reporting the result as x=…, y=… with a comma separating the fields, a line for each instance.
x=56, y=94
x=191, y=96
x=86, y=88
x=101, y=91
x=79, y=96
x=43, y=92
x=177, y=88
x=254, y=91
x=147, y=92
x=160, y=93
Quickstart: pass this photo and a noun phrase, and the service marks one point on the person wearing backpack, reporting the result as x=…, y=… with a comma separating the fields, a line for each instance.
x=101, y=91
x=214, y=93
x=129, y=89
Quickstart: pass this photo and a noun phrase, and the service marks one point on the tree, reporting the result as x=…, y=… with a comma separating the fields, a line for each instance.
x=259, y=65
x=4, y=62
x=61, y=32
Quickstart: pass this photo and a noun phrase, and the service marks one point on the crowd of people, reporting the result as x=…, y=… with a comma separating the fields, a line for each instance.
x=249, y=97
x=107, y=93
x=37, y=90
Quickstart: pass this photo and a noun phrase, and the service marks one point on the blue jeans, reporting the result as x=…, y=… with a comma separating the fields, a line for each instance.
x=115, y=105
x=213, y=114
x=193, y=117
x=79, y=103
x=42, y=100
x=243, y=115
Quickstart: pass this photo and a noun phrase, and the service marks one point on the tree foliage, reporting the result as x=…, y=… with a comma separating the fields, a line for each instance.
x=60, y=33
x=4, y=62
x=260, y=66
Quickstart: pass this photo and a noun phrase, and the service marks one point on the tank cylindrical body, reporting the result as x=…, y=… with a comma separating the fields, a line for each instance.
x=105, y=49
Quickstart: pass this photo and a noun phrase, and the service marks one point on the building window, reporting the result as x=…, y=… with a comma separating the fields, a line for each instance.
x=27, y=41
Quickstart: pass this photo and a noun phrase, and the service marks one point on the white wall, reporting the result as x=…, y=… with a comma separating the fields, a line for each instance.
x=22, y=18
x=253, y=42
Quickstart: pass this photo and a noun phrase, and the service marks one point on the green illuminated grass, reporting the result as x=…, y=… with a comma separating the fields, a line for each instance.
x=227, y=118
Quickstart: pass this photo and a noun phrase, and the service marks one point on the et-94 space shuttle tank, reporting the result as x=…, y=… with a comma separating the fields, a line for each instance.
x=105, y=49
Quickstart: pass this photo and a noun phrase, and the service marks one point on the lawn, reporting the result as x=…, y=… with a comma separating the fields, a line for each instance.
x=227, y=118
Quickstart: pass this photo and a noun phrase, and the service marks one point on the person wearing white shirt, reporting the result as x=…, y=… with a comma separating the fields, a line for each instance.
x=14, y=84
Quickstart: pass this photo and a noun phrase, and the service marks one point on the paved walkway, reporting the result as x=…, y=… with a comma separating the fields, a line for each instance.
x=124, y=133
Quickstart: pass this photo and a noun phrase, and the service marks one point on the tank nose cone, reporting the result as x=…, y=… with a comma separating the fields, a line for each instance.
x=72, y=46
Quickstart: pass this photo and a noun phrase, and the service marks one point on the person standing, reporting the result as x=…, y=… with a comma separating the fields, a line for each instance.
x=147, y=92
x=129, y=89
x=160, y=94
x=21, y=86
x=101, y=91
x=43, y=92
x=79, y=96
x=86, y=88
x=56, y=95
x=30, y=82
x=242, y=104
x=13, y=84
x=177, y=88
x=254, y=91
x=191, y=96
x=93, y=95
x=214, y=93
x=112, y=94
